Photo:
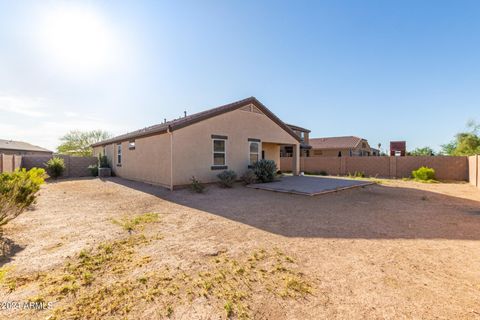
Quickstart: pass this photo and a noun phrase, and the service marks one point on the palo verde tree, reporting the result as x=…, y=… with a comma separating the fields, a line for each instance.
x=78, y=143
x=465, y=143
x=425, y=151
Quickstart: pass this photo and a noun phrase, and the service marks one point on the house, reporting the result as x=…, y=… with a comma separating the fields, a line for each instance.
x=21, y=148
x=303, y=134
x=229, y=137
x=348, y=146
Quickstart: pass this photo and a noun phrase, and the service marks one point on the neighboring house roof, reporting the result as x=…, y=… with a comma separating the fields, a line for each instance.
x=348, y=142
x=294, y=127
x=20, y=146
x=197, y=117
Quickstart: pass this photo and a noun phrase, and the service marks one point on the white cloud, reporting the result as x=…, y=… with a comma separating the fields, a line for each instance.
x=26, y=106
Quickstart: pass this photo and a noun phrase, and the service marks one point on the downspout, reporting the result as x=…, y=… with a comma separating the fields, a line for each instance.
x=169, y=130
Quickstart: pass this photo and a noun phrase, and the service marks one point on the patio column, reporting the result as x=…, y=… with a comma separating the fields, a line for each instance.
x=296, y=160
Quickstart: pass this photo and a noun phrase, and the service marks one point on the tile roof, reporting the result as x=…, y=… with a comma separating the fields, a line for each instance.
x=335, y=142
x=197, y=117
x=20, y=145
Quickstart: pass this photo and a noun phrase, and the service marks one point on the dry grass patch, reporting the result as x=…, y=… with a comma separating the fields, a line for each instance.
x=98, y=282
x=137, y=222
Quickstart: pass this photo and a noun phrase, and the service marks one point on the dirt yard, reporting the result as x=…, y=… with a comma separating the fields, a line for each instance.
x=119, y=249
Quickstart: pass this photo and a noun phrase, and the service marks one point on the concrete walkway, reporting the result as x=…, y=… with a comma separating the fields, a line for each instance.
x=311, y=186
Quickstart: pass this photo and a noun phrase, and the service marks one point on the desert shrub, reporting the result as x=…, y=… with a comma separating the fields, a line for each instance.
x=17, y=192
x=55, y=167
x=265, y=170
x=357, y=174
x=227, y=178
x=424, y=174
x=196, y=185
x=103, y=162
x=249, y=177
x=323, y=173
x=93, y=169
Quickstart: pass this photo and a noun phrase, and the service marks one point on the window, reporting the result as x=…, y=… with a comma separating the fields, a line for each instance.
x=254, y=148
x=219, y=152
x=131, y=145
x=104, y=152
x=119, y=154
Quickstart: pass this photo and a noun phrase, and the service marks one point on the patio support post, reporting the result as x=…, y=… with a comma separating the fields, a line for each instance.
x=296, y=160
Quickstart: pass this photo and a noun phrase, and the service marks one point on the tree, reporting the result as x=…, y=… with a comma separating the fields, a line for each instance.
x=425, y=151
x=78, y=143
x=465, y=143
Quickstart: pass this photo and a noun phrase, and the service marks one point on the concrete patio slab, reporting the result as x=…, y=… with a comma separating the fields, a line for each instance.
x=310, y=186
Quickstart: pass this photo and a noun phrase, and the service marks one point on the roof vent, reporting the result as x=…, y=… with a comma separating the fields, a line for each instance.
x=185, y=113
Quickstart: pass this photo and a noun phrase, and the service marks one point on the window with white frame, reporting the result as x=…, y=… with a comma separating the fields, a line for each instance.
x=254, y=152
x=104, y=152
x=119, y=154
x=219, y=152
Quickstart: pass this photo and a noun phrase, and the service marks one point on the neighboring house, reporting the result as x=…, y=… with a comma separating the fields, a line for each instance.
x=375, y=152
x=229, y=137
x=349, y=146
x=21, y=148
x=398, y=148
x=303, y=134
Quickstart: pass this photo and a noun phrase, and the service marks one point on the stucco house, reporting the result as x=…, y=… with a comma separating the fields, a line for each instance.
x=348, y=146
x=303, y=134
x=231, y=136
x=21, y=148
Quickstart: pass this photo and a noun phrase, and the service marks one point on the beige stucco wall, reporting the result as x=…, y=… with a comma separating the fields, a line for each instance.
x=334, y=152
x=148, y=162
x=330, y=153
x=192, y=145
x=272, y=152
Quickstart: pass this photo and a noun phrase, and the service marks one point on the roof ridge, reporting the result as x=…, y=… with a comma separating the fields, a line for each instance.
x=196, y=117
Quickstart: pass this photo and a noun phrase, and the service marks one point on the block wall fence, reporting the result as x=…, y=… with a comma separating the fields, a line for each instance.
x=474, y=170
x=74, y=166
x=446, y=167
x=9, y=162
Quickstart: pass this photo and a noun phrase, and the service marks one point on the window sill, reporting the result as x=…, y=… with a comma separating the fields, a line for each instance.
x=219, y=167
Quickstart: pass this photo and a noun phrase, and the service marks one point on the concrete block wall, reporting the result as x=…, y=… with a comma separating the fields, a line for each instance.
x=446, y=167
x=474, y=170
x=9, y=162
x=74, y=166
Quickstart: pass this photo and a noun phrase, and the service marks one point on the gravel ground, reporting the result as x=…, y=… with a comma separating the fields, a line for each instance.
x=396, y=250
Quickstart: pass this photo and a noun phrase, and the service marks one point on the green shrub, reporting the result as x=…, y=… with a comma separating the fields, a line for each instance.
x=17, y=192
x=103, y=162
x=55, y=167
x=265, y=170
x=196, y=185
x=227, y=178
x=356, y=174
x=249, y=177
x=93, y=169
x=424, y=174
x=323, y=173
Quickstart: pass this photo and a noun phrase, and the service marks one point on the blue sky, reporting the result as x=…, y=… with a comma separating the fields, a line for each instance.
x=382, y=70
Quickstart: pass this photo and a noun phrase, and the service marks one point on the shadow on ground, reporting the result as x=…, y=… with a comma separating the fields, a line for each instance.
x=8, y=249
x=370, y=212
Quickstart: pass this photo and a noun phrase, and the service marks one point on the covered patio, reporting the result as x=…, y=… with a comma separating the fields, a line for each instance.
x=308, y=185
